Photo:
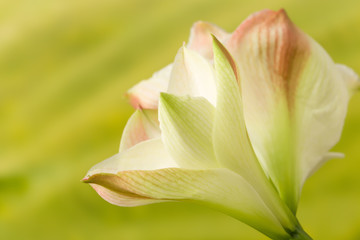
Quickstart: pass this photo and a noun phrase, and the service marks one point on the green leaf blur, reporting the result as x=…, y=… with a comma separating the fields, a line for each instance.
x=65, y=66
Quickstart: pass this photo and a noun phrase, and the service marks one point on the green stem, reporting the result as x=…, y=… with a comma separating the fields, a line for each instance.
x=300, y=234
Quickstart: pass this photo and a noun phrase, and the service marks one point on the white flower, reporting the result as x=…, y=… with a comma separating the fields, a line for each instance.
x=238, y=130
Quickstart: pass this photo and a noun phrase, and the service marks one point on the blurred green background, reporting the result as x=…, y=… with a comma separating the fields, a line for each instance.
x=64, y=68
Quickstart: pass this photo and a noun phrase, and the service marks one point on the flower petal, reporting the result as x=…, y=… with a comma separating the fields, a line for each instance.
x=220, y=189
x=232, y=146
x=146, y=155
x=295, y=99
x=147, y=174
x=121, y=197
x=350, y=77
x=141, y=126
x=192, y=75
x=201, y=40
x=231, y=143
x=324, y=159
x=145, y=95
x=186, y=126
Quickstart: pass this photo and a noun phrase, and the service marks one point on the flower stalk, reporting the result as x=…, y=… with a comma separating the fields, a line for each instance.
x=300, y=234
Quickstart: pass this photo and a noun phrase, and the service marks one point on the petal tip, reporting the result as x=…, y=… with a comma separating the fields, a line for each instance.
x=350, y=77
x=280, y=15
x=133, y=99
x=220, y=48
x=200, y=40
x=282, y=12
x=165, y=98
x=86, y=179
x=266, y=16
x=199, y=25
x=164, y=95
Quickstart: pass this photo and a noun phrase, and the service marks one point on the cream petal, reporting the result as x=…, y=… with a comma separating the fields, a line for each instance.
x=146, y=155
x=232, y=146
x=147, y=174
x=186, y=126
x=313, y=168
x=200, y=37
x=145, y=95
x=220, y=189
x=295, y=99
x=141, y=126
x=121, y=197
x=350, y=77
x=192, y=75
x=231, y=142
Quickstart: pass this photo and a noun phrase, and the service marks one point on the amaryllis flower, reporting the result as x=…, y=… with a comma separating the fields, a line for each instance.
x=236, y=123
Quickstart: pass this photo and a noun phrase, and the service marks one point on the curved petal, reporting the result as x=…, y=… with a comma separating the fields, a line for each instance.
x=186, y=126
x=147, y=174
x=192, y=75
x=232, y=146
x=220, y=189
x=141, y=126
x=350, y=77
x=295, y=99
x=145, y=95
x=324, y=159
x=200, y=37
x=121, y=197
x=146, y=155
x=231, y=142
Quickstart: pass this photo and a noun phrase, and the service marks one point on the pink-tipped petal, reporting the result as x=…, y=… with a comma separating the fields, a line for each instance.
x=232, y=145
x=295, y=99
x=200, y=37
x=145, y=95
x=220, y=189
x=142, y=125
x=122, y=198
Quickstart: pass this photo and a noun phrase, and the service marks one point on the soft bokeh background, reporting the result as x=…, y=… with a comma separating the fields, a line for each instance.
x=64, y=68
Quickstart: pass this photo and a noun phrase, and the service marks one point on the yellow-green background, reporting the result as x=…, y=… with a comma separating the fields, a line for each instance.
x=64, y=68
